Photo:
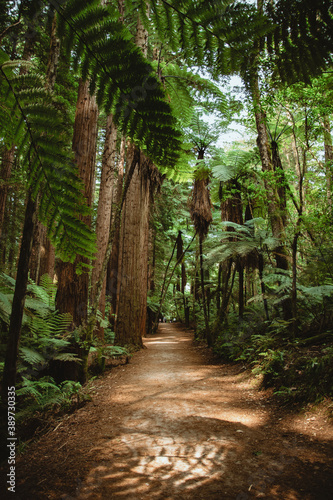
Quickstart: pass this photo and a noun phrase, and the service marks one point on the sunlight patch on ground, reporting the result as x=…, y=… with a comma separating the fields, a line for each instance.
x=153, y=460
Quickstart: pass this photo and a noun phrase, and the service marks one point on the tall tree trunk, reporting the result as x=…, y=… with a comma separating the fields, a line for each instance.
x=151, y=276
x=281, y=182
x=105, y=199
x=47, y=255
x=209, y=337
x=132, y=283
x=262, y=284
x=180, y=246
x=72, y=294
x=133, y=258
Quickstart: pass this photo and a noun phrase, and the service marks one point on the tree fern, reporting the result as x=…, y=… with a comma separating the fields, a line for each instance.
x=241, y=240
x=229, y=165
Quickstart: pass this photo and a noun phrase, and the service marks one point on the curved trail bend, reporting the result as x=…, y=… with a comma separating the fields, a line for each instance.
x=172, y=425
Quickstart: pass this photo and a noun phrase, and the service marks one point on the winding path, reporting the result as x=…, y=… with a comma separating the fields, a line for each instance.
x=172, y=425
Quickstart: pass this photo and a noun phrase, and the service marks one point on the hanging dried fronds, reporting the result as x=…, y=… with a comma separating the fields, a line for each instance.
x=200, y=207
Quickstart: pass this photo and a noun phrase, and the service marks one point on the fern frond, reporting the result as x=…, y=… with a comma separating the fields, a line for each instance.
x=227, y=166
x=5, y=307
x=104, y=51
x=301, y=42
x=67, y=356
x=31, y=356
x=41, y=137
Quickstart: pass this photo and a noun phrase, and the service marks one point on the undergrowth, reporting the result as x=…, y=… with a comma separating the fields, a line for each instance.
x=299, y=369
x=46, y=346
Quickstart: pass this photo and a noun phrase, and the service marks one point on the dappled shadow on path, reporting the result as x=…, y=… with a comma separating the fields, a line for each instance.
x=171, y=425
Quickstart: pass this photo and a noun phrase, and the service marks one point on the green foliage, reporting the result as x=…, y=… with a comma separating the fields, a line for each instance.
x=211, y=34
x=102, y=352
x=44, y=337
x=298, y=374
x=42, y=137
x=123, y=79
x=241, y=240
x=232, y=164
x=301, y=40
x=37, y=397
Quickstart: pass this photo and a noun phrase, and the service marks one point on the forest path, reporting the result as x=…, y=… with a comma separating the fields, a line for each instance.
x=172, y=425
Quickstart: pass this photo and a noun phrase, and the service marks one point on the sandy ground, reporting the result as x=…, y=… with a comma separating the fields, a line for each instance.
x=173, y=425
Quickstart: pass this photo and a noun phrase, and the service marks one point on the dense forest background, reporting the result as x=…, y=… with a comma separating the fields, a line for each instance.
x=121, y=206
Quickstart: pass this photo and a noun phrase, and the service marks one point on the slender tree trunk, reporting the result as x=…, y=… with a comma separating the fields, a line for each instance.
x=163, y=295
x=281, y=182
x=6, y=170
x=182, y=288
x=112, y=269
x=218, y=289
x=151, y=276
x=273, y=202
x=14, y=333
x=328, y=158
x=15, y=228
x=221, y=314
x=181, y=280
x=204, y=302
x=47, y=256
x=262, y=284
x=240, y=267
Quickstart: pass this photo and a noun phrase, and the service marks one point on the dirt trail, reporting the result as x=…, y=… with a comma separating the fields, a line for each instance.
x=172, y=425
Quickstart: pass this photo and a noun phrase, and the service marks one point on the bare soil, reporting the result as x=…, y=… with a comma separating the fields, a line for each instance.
x=173, y=424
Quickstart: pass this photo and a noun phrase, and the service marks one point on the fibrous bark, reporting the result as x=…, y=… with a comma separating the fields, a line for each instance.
x=105, y=200
x=133, y=261
x=72, y=294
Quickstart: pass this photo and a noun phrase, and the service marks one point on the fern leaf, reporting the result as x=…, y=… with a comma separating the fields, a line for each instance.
x=31, y=356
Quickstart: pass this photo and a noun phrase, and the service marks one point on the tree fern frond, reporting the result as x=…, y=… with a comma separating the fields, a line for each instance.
x=116, y=56
x=48, y=158
x=227, y=166
x=301, y=42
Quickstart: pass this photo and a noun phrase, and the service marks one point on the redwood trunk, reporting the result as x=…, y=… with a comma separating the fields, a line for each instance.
x=72, y=295
x=104, y=207
x=133, y=261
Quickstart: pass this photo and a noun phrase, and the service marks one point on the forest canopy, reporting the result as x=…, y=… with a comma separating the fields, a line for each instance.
x=121, y=205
